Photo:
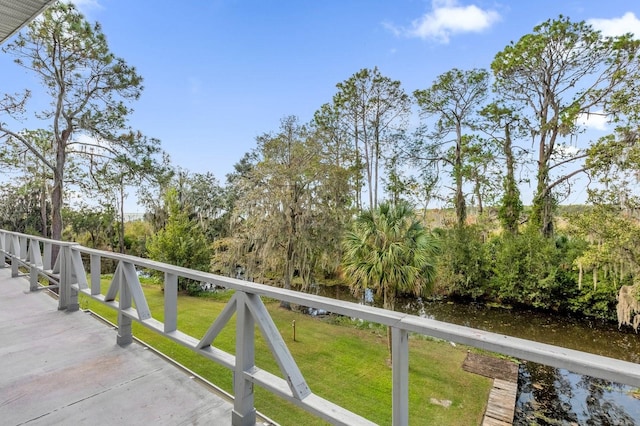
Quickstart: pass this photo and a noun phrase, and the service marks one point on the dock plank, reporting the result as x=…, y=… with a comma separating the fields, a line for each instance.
x=502, y=397
x=492, y=367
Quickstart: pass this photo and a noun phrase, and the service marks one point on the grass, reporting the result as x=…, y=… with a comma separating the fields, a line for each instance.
x=342, y=362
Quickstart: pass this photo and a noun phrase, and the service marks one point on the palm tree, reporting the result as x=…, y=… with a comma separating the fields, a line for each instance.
x=388, y=251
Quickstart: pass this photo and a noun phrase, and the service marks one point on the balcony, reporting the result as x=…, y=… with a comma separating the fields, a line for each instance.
x=77, y=270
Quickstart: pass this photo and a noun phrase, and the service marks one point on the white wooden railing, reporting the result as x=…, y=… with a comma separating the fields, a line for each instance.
x=68, y=274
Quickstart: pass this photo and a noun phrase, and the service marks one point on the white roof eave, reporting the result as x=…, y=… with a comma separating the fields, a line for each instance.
x=15, y=14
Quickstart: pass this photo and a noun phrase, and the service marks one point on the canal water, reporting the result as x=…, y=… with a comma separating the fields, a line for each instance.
x=546, y=395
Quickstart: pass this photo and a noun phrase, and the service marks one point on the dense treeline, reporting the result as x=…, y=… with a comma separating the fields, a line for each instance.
x=287, y=212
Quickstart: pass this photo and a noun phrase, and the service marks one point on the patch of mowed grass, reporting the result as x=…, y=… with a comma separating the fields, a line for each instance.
x=343, y=361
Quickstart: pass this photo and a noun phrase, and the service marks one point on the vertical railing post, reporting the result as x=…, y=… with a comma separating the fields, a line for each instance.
x=95, y=265
x=63, y=282
x=35, y=264
x=23, y=247
x=400, y=376
x=46, y=261
x=15, y=254
x=3, y=247
x=72, y=295
x=67, y=297
x=33, y=277
x=244, y=412
x=170, y=302
x=125, y=335
x=14, y=266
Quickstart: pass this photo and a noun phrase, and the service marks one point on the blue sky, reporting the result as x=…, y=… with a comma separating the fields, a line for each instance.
x=218, y=73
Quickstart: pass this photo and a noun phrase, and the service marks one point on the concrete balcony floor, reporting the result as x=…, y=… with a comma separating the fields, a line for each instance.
x=66, y=368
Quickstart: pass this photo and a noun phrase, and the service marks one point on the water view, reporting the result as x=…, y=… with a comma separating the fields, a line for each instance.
x=546, y=395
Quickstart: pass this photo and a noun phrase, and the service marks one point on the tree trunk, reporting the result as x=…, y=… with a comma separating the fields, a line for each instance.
x=288, y=266
x=121, y=220
x=43, y=209
x=543, y=203
x=58, y=181
x=511, y=188
x=368, y=160
x=357, y=152
x=461, y=207
x=542, y=210
x=56, y=215
x=57, y=192
x=376, y=160
x=56, y=208
x=511, y=206
x=478, y=197
x=388, y=303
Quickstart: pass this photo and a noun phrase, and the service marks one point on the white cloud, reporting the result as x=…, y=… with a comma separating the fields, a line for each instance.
x=628, y=23
x=86, y=6
x=563, y=151
x=596, y=120
x=447, y=18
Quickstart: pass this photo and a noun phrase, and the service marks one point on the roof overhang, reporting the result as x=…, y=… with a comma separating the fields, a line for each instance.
x=15, y=14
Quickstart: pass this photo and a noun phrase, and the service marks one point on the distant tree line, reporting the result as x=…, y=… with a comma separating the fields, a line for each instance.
x=314, y=202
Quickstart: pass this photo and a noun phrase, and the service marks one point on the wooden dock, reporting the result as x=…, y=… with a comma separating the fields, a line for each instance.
x=502, y=398
x=502, y=404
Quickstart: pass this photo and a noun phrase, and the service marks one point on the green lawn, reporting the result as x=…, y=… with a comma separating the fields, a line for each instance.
x=340, y=362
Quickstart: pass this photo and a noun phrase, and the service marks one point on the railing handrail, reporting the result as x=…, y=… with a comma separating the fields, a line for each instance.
x=41, y=239
x=248, y=307
x=379, y=315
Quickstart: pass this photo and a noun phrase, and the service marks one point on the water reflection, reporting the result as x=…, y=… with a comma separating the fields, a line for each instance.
x=547, y=395
x=551, y=396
